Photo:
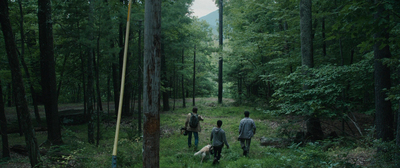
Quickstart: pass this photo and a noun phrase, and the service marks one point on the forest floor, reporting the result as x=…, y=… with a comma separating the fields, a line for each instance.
x=357, y=126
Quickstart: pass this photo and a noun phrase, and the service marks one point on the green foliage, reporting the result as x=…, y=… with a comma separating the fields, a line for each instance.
x=327, y=86
x=77, y=152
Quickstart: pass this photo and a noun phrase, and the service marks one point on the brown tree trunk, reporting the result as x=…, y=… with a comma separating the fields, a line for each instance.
x=221, y=39
x=383, y=110
x=96, y=64
x=90, y=89
x=3, y=126
x=151, y=78
x=48, y=72
x=183, y=86
x=18, y=85
x=194, y=75
x=313, y=123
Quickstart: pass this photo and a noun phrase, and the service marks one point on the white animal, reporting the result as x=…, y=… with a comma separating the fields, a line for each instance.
x=204, y=151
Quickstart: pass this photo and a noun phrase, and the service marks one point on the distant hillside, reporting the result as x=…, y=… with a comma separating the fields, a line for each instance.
x=212, y=19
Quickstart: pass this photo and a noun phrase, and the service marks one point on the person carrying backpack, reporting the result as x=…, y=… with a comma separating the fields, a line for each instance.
x=192, y=125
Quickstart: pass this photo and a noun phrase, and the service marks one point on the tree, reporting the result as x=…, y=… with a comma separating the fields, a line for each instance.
x=90, y=78
x=18, y=86
x=151, y=82
x=220, y=62
x=47, y=71
x=383, y=110
x=183, y=80
x=3, y=126
x=194, y=75
x=313, y=123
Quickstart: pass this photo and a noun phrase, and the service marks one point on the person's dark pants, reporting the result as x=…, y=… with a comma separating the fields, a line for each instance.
x=196, y=138
x=245, y=143
x=217, y=151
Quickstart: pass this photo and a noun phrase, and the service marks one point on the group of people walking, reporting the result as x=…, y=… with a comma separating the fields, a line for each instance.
x=247, y=129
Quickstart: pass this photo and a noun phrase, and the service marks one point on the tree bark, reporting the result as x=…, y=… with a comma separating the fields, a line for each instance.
x=151, y=78
x=90, y=79
x=383, y=110
x=48, y=72
x=306, y=33
x=116, y=81
x=220, y=88
x=90, y=96
x=18, y=86
x=314, y=129
x=3, y=126
x=183, y=86
x=194, y=75
x=221, y=28
x=96, y=64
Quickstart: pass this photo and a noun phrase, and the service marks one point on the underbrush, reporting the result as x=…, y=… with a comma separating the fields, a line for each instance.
x=174, y=151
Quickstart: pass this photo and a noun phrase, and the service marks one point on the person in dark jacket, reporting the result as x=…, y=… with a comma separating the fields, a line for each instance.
x=218, y=139
x=247, y=129
x=195, y=130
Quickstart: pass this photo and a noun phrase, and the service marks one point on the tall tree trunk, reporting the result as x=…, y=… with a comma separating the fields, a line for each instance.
x=90, y=97
x=48, y=72
x=194, y=75
x=33, y=93
x=90, y=89
x=221, y=28
x=383, y=110
x=183, y=86
x=18, y=85
x=398, y=128
x=96, y=63
x=313, y=123
x=3, y=126
x=306, y=33
x=116, y=81
x=151, y=78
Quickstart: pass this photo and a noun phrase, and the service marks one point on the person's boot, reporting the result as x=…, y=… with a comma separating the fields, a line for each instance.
x=215, y=160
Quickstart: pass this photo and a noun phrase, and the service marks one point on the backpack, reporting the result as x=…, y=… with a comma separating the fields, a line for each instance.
x=193, y=121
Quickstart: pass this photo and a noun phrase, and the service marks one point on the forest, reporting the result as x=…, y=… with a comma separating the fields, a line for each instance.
x=102, y=83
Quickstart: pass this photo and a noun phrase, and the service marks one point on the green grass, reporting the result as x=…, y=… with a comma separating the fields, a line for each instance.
x=174, y=151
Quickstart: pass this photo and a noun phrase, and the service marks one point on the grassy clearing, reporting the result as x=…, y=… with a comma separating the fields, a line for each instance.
x=174, y=151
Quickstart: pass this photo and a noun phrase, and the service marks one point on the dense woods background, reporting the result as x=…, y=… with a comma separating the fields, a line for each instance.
x=310, y=58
